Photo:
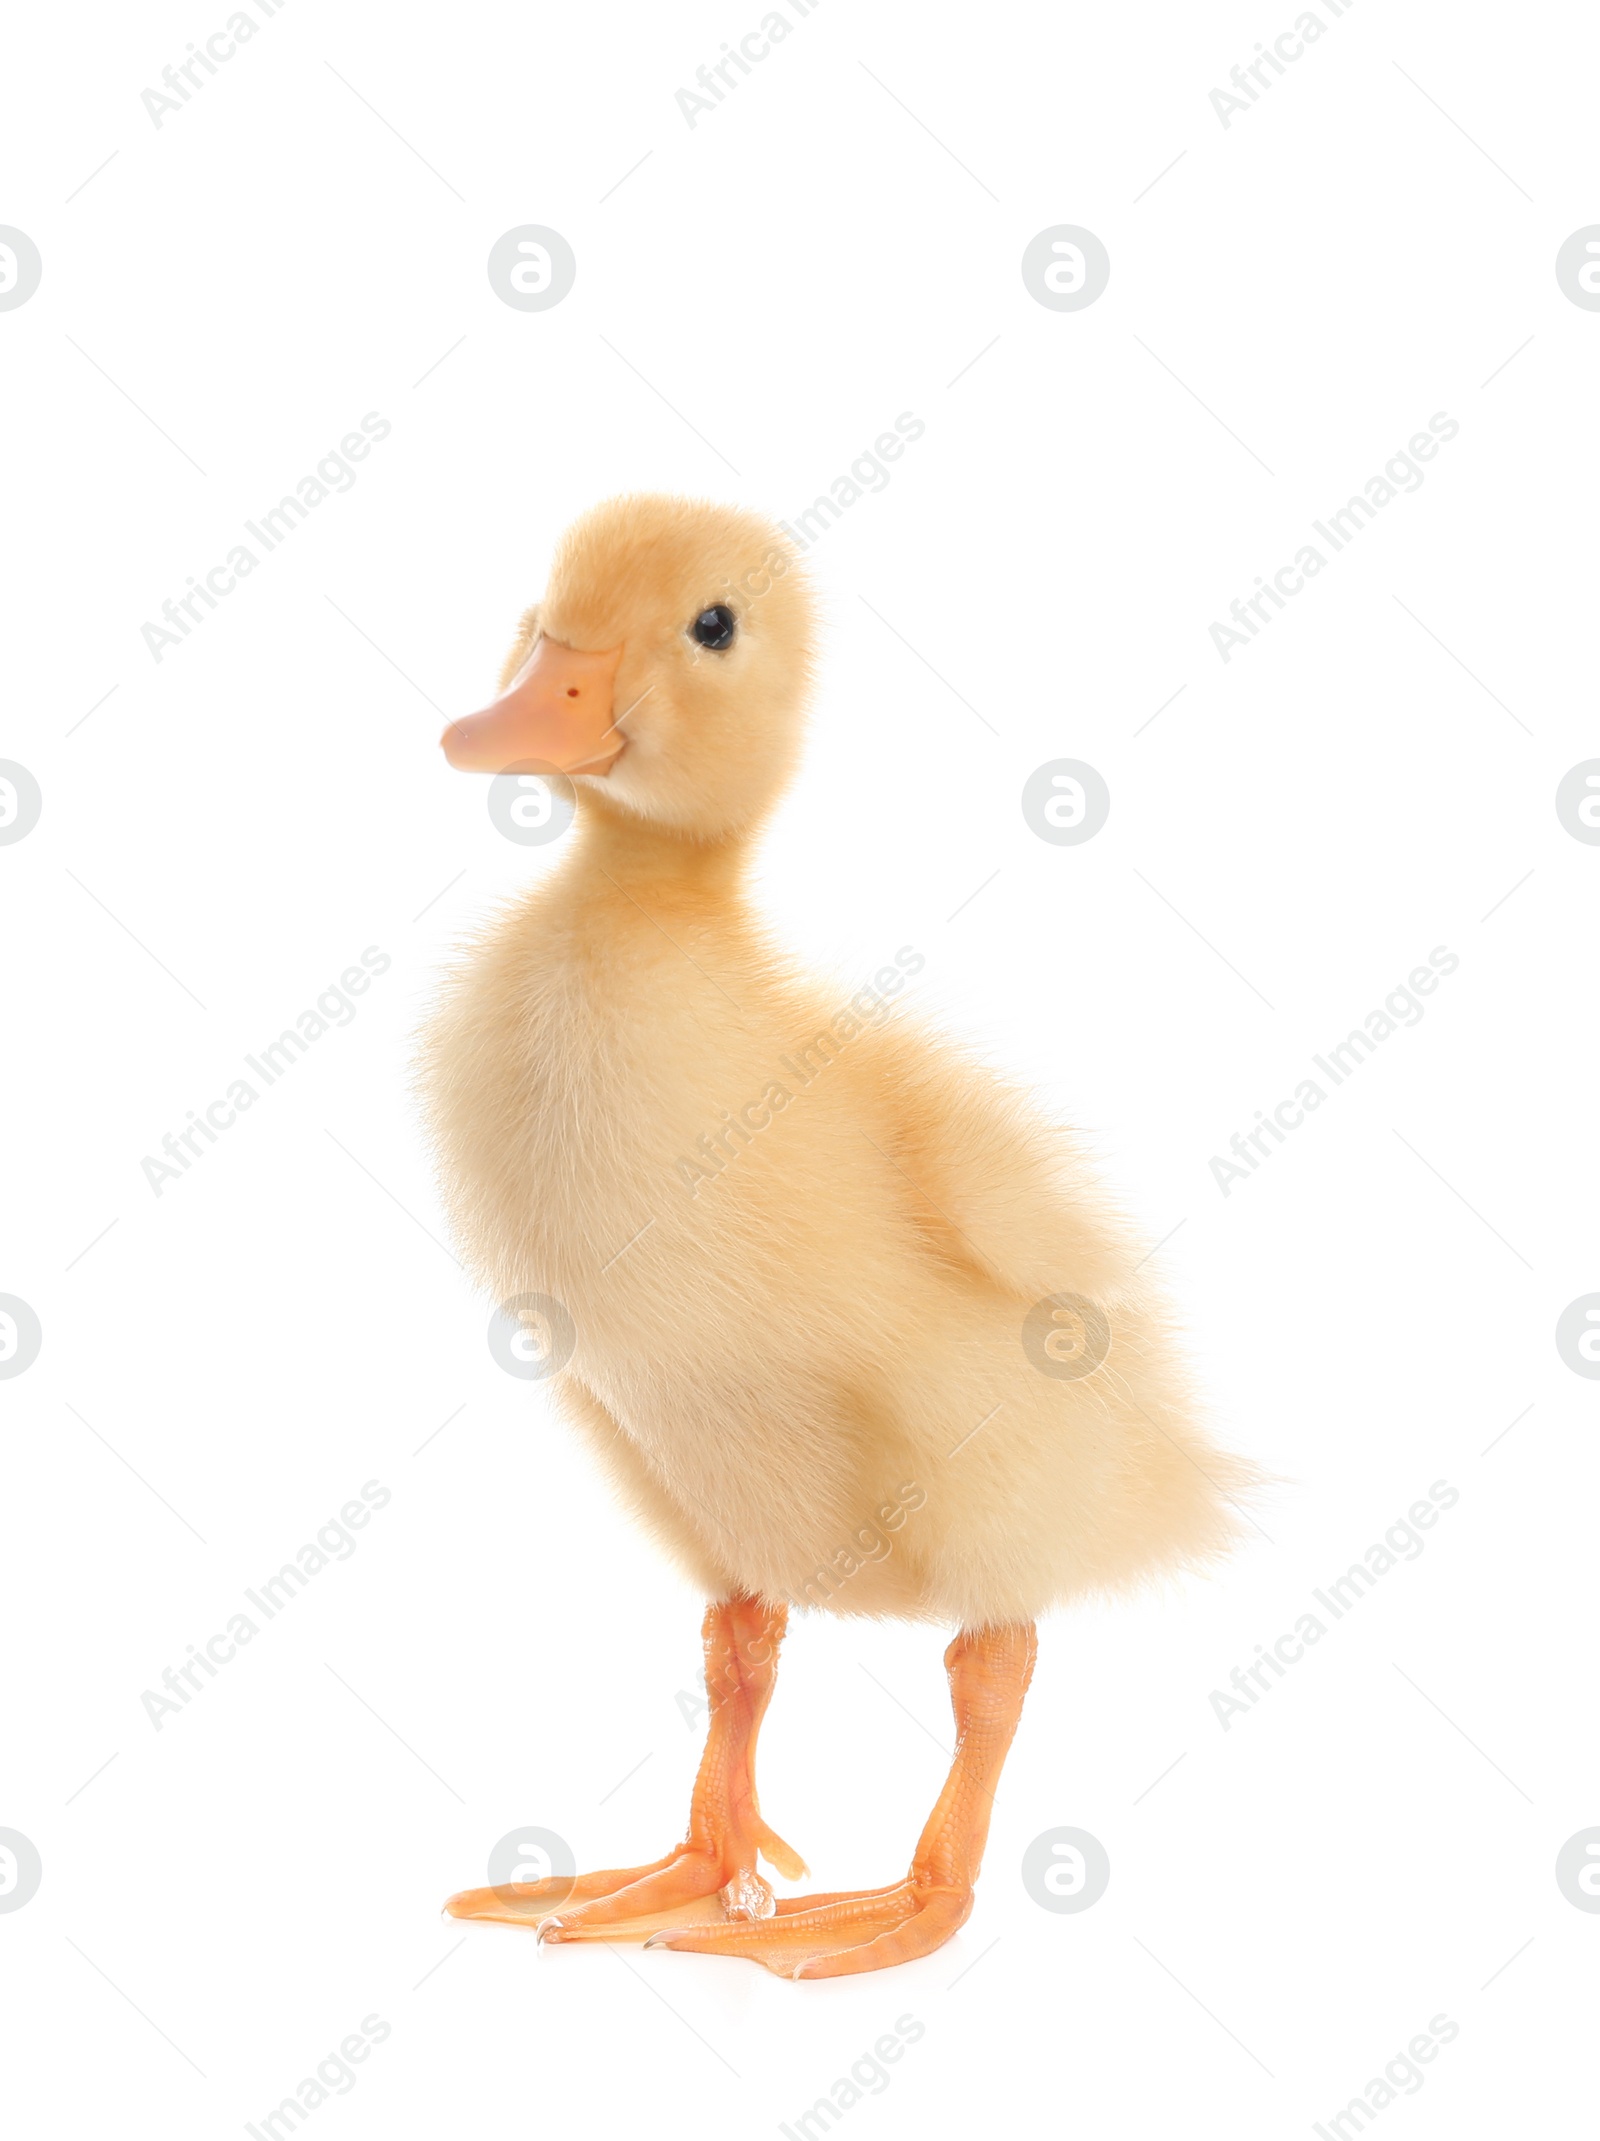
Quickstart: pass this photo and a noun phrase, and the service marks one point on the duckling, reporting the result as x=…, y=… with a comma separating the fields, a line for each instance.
x=849, y=1325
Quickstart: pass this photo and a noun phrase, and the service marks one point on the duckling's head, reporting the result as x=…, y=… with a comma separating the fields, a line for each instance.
x=665, y=669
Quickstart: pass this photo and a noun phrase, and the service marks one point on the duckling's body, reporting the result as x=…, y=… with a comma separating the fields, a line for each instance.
x=797, y=1241
x=782, y=1336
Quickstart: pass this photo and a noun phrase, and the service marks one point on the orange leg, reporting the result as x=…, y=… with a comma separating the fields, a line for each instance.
x=837, y=1935
x=712, y=1873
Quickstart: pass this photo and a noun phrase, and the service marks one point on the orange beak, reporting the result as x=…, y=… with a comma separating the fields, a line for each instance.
x=559, y=712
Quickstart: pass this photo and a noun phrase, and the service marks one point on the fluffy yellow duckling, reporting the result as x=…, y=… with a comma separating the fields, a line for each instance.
x=846, y=1322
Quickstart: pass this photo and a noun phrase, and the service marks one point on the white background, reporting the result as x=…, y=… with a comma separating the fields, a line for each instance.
x=1374, y=1842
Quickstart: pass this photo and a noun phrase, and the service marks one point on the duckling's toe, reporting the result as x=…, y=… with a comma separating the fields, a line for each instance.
x=530, y=1902
x=686, y=1887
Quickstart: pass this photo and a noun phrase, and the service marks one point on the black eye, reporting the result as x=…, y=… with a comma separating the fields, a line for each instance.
x=714, y=627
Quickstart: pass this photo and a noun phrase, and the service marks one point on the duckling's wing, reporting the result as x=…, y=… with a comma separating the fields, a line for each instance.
x=993, y=1184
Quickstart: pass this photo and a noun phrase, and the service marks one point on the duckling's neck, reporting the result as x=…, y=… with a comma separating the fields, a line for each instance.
x=637, y=857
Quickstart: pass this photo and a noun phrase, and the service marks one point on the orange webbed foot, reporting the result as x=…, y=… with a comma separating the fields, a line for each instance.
x=709, y=1878
x=836, y=1935
x=706, y=1897
x=664, y=1886
x=687, y=1887
x=872, y=1929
